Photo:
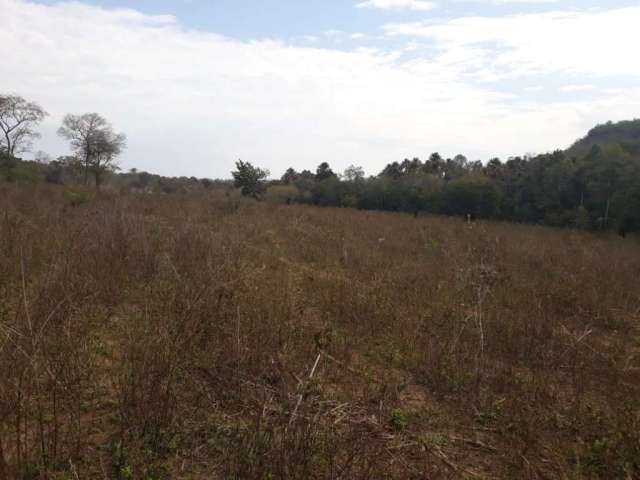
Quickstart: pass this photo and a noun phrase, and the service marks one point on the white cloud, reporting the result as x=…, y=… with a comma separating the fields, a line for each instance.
x=504, y=2
x=307, y=38
x=577, y=88
x=193, y=102
x=587, y=42
x=422, y=5
x=333, y=33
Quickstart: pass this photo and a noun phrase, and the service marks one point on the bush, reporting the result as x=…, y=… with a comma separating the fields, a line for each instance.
x=282, y=194
x=471, y=194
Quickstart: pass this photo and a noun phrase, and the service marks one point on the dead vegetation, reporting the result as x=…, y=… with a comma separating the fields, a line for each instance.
x=202, y=336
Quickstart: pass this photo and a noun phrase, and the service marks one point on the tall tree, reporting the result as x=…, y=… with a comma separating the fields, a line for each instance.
x=249, y=179
x=392, y=170
x=435, y=165
x=94, y=142
x=289, y=176
x=324, y=172
x=354, y=174
x=18, y=119
x=474, y=194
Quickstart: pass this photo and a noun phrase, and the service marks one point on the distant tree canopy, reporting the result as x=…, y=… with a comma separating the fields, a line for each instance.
x=18, y=119
x=95, y=143
x=353, y=173
x=626, y=134
x=472, y=194
x=324, y=172
x=250, y=179
x=595, y=184
x=95, y=146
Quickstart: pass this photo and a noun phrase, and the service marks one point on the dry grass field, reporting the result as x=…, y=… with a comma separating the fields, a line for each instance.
x=204, y=336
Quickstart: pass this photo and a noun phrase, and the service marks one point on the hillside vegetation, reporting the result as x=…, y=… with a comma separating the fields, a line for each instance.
x=202, y=335
x=625, y=135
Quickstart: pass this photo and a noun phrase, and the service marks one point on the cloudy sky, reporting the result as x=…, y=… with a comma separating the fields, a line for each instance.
x=197, y=84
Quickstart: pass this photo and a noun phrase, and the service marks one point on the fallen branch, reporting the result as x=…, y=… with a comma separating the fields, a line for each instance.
x=301, y=396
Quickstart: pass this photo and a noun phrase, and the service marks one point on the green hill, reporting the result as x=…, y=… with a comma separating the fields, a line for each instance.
x=626, y=134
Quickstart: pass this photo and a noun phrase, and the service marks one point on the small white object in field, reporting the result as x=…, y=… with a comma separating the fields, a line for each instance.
x=381, y=240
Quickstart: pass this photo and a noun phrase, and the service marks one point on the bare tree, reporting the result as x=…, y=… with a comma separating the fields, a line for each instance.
x=94, y=142
x=18, y=119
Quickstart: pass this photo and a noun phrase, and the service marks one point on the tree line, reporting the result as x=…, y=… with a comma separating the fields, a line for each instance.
x=92, y=138
x=593, y=185
x=95, y=147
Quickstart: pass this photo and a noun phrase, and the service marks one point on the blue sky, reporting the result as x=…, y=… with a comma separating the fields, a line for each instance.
x=288, y=19
x=196, y=84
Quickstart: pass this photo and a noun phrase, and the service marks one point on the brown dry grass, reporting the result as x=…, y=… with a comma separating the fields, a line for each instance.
x=155, y=337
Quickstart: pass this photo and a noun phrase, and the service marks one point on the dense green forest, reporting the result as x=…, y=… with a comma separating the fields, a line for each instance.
x=594, y=184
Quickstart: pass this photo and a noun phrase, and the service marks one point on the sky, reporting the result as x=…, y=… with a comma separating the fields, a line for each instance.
x=198, y=84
